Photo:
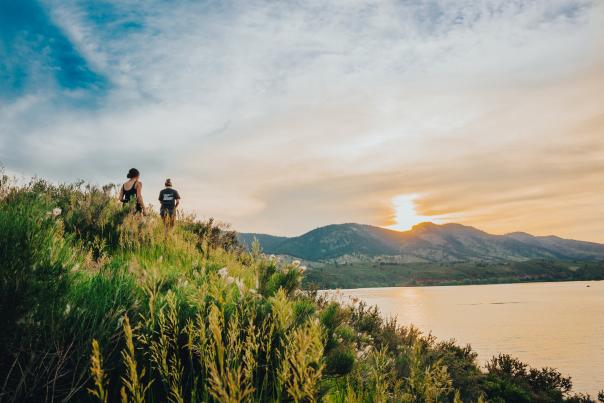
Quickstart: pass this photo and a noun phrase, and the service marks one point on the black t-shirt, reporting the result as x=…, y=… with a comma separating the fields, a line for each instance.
x=167, y=198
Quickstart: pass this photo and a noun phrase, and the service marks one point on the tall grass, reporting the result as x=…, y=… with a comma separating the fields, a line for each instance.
x=100, y=304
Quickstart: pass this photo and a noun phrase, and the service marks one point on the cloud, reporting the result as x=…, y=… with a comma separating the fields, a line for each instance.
x=283, y=116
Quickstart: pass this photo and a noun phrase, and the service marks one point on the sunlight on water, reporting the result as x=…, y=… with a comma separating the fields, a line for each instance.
x=560, y=325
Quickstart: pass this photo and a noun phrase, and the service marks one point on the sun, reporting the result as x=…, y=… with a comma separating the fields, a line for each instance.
x=405, y=213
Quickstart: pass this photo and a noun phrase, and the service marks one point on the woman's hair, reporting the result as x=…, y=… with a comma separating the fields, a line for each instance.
x=133, y=173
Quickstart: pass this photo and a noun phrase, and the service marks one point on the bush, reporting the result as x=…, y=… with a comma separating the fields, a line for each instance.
x=340, y=361
x=35, y=270
x=545, y=384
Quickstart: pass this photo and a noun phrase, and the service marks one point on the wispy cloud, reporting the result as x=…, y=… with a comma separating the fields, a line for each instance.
x=281, y=116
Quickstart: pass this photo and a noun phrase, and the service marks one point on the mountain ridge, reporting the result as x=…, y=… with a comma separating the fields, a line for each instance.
x=424, y=242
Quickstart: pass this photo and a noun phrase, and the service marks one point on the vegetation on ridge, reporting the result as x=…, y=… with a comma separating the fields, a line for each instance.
x=331, y=275
x=98, y=304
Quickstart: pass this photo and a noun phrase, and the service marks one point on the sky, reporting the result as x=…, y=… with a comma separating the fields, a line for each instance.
x=282, y=116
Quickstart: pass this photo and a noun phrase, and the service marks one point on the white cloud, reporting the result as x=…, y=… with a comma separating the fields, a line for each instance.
x=242, y=103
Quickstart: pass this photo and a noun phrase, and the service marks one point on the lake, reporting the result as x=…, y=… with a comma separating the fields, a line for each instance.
x=559, y=325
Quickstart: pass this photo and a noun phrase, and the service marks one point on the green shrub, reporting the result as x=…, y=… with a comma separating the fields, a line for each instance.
x=35, y=269
x=339, y=361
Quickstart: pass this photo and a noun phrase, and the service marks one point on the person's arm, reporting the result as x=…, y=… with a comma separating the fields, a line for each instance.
x=177, y=199
x=121, y=195
x=139, y=195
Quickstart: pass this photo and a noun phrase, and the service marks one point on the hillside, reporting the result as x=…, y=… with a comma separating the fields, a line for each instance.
x=424, y=243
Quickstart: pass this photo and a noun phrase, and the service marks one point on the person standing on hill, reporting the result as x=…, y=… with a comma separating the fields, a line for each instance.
x=132, y=190
x=169, y=199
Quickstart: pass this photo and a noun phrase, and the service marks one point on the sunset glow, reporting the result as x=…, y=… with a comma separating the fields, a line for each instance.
x=406, y=215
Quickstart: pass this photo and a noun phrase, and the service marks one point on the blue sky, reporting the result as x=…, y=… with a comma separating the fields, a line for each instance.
x=38, y=55
x=282, y=116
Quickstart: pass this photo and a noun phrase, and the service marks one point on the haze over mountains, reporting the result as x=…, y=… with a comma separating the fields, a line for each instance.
x=425, y=242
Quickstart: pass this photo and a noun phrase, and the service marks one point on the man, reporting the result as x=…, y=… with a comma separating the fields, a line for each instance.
x=169, y=199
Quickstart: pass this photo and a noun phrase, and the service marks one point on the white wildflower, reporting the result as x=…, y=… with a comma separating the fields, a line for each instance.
x=302, y=269
x=240, y=284
x=364, y=352
x=224, y=272
x=55, y=212
x=296, y=263
x=272, y=257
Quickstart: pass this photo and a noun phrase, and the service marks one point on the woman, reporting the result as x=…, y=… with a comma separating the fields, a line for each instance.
x=132, y=189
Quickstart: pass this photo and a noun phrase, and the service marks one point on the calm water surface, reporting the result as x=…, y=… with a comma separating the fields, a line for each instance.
x=559, y=325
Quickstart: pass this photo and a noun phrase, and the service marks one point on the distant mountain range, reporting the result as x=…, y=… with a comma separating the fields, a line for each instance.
x=424, y=243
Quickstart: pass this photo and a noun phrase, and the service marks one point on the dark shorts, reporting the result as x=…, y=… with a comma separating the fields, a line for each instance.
x=139, y=207
x=167, y=211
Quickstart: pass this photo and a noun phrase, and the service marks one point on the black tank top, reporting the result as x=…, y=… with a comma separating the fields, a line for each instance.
x=130, y=193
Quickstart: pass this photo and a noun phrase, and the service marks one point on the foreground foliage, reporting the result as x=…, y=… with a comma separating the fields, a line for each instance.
x=99, y=304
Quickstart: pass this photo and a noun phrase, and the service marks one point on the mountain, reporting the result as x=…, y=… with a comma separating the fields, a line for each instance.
x=425, y=242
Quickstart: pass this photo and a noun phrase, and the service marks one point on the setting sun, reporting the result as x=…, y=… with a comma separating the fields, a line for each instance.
x=405, y=213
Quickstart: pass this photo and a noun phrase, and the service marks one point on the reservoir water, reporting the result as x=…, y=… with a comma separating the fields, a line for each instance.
x=558, y=325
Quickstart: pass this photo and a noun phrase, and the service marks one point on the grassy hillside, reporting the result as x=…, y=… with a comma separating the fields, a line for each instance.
x=380, y=274
x=98, y=304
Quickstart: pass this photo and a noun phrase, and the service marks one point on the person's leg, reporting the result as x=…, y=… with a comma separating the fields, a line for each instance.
x=172, y=218
x=164, y=216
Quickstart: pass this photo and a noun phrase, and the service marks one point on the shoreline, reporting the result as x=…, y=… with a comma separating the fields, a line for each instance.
x=445, y=284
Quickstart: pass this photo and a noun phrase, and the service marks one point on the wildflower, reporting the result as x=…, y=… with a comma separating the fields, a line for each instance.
x=302, y=269
x=272, y=257
x=56, y=211
x=230, y=280
x=224, y=272
x=296, y=263
x=364, y=352
x=240, y=285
